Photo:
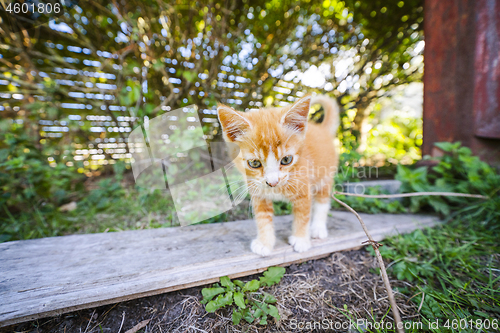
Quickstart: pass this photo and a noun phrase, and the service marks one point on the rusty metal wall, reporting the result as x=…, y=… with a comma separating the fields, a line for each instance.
x=462, y=76
x=487, y=70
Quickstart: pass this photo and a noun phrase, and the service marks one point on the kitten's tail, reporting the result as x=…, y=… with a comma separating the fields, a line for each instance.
x=331, y=119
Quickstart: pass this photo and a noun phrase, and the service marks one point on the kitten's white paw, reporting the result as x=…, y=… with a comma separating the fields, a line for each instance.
x=319, y=230
x=259, y=248
x=300, y=244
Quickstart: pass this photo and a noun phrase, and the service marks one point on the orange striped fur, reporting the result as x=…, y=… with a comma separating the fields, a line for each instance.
x=286, y=158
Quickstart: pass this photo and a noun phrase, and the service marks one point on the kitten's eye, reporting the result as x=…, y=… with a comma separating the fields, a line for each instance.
x=287, y=160
x=254, y=164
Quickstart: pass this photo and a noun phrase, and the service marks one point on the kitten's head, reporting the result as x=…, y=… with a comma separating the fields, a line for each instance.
x=270, y=140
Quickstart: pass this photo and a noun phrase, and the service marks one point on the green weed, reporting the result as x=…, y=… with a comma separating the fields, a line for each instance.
x=251, y=302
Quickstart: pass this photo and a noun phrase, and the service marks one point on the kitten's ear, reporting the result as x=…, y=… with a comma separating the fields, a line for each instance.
x=296, y=117
x=234, y=124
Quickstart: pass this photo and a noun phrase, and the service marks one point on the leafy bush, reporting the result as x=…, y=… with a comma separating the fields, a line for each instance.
x=251, y=303
x=109, y=191
x=457, y=171
x=27, y=179
x=395, y=140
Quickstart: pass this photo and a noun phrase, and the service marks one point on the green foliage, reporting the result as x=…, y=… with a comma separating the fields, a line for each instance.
x=28, y=180
x=389, y=33
x=272, y=276
x=457, y=171
x=394, y=140
x=282, y=208
x=144, y=39
x=108, y=193
x=396, y=22
x=271, y=39
x=452, y=267
x=109, y=207
x=372, y=323
x=252, y=303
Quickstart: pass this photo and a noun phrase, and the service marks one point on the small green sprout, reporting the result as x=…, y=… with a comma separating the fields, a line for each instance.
x=251, y=302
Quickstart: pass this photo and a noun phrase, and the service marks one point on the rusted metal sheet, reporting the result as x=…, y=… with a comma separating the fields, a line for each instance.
x=449, y=68
x=487, y=69
x=462, y=76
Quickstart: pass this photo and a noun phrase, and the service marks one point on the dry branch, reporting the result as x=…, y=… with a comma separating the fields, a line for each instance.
x=137, y=327
x=375, y=245
x=416, y=194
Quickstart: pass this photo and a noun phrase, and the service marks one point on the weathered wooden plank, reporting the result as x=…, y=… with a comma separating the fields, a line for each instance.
x=50, y=276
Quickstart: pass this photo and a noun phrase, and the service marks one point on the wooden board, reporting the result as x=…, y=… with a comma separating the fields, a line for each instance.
x=51, y=276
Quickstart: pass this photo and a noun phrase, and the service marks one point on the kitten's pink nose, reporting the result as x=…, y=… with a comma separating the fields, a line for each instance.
x=272, y=183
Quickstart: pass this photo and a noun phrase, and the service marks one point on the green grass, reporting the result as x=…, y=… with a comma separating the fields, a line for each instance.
x=454, y=268
x=107, y=208
x=110, y=207
x=452, y=274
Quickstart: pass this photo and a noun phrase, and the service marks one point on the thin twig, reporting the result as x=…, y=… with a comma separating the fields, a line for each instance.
x=90, y=320
x=421, y=302
x=416, y=194
x=375, y=245
x=137, y=327
x=121, y=325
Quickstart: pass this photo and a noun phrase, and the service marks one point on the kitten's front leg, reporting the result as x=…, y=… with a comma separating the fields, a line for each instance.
x=263, y=211
x=300, y=239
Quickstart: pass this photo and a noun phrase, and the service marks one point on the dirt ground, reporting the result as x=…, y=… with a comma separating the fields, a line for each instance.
x=314, y=291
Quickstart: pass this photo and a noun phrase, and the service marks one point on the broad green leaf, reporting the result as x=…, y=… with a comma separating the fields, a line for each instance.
x=237, y=315
x=273, y=311
x=268, y=298
x=209, y=293
x=258, y=313
x=239, y=283
x=447, y=146
x=212, y=306
x=247, y=315
x=263, y=307
x=272, y=276
x=135, y=93
x=148, y=108
x=227, y=299
x=239, y=300
x=220, y=302
x=251, y=285
x=124, y=99
x=440, y=206
x=226, y=282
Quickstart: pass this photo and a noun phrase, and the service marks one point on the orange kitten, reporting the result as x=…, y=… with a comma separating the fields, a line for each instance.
x=286, y=158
